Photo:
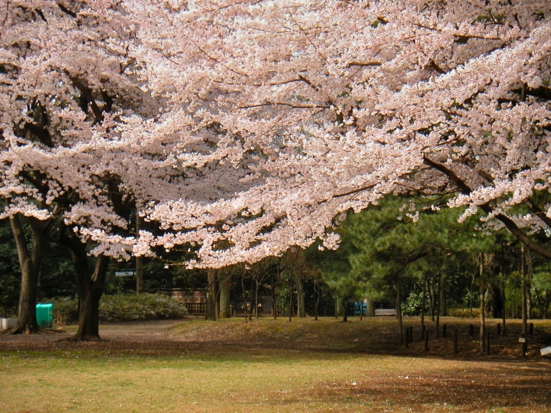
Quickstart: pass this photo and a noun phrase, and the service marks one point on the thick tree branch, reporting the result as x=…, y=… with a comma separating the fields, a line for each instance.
x=508, y=222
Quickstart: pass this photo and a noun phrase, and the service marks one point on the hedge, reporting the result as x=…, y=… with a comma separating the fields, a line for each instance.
x=121, y=307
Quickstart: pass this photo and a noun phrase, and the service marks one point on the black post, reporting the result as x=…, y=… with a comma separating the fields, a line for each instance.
x=471, y=332
x=498, y=329
x=531, y=329
x=444, y=331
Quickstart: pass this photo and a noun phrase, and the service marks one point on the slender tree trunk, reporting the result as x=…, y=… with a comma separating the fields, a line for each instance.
x=290, y=301
x=438, y=304
x=482, y=317
x=211, y=297
x=432, y=299
x=528, y=287
x=29, y=262
x=442, y=295
x=251, y=300
x=471, y=297
x=256, y=297
x=523, y=287
x=316, y=310
x=245, y=308
x=344, y=303
x=139, y=260
x=423, y=303
x=301, y=310
x=399, y=311
x=503, y=285
x=503, y=308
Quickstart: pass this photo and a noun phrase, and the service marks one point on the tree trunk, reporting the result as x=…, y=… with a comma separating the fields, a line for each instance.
x=251, y=300
x=256, y=297
x=370, y=307
x=301, y=310
x=482, y=318
x=528, y=273
x=211, y=297
x=30, y=262
x=423, y=303
x=90, y=286
x=503, y=308
x=443, y=309
x=344, y=306
x=399, y=311
x=290, y=301
x=471, y=295
x=224, y=299
x=90, y=291
x=139, y=260
x=524, y=293
x=316, y=309
x=497, y=306
x=432, y=299
x=438, y=305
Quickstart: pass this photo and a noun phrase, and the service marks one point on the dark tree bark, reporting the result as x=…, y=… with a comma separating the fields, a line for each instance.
x=29, y=262
x=437, y=304
x=316, y=308
x=399, y=311
x=290, y=301
x=482, y=291
x=423, y=302
x=211, y=313
x=344, y=305
x=90, y=291
x=224, y=298
x=301, y=309
x=497, y=302
x=90, y=285
x=524, y=291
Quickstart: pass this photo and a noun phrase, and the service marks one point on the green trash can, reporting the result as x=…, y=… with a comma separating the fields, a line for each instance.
x=45, y=315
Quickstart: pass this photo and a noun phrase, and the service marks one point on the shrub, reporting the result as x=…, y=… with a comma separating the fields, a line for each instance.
x=463, y=312
x=122, y=307
x=65, y=309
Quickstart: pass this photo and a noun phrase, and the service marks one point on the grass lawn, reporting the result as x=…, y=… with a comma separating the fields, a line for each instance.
x=267, y=366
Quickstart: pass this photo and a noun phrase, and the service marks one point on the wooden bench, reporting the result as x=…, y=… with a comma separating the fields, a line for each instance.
x=385, y=312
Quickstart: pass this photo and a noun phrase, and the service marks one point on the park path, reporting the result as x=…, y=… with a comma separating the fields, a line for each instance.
x=129, y=331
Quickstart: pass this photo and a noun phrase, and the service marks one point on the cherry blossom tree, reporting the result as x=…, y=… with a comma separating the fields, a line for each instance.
x=76, y=142
x=331, y=105
x=244, y=128
x=62, y=86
